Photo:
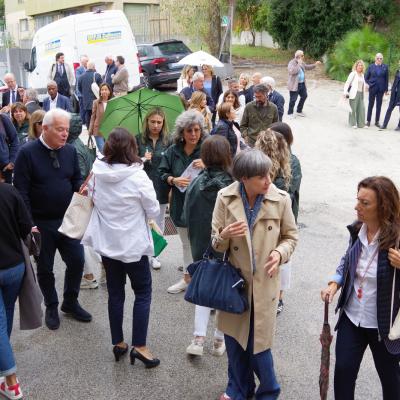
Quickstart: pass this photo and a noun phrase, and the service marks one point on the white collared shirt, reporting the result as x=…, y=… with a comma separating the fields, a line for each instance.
x=41, y=138
x=53, y=103
x=362, y=312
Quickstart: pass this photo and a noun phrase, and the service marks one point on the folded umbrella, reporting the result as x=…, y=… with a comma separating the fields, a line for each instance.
x=326, y=340
x=130, y=110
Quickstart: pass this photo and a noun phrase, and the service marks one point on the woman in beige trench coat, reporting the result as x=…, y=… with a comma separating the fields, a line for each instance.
x=254, y=221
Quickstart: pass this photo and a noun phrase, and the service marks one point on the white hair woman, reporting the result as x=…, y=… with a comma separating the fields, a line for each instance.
x=243, y=213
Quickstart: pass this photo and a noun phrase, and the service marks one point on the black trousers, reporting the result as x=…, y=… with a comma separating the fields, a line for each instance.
x=71, y=252
x=302, y=92
x=140, y=277
x=351, y=344
x=388, y=114
x=378, y=95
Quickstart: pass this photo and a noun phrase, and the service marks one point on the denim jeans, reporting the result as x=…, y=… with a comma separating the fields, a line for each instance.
x=10, y=284
x=71, y=252
x=99, y=143
x=140, y=277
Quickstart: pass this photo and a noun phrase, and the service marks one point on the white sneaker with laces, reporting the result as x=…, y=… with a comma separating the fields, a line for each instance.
x=218, y=347
x=155, y=263
x=89, y=283
x=178, y=287
x=300, y=114
x=12, y=392
x=196, y=348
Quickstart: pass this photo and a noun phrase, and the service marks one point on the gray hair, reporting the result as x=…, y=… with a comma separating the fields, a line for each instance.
x=298, y=53
x=249, y=163
x=48, y=119
x=232, y=80
x=52, y=83
x=260, y=88
x=91, y=65
x=31, y=94
x=186, y=120
x=197, y=76
x=268, y=81
x=379, y=55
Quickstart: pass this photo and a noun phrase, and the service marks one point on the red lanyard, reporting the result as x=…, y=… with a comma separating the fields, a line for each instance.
x=362, y=279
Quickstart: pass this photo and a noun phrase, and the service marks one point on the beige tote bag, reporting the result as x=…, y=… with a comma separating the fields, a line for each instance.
x=77, y=216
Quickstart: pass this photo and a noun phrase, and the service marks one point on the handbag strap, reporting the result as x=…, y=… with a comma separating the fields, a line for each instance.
x=85, y=183
x=393, y=287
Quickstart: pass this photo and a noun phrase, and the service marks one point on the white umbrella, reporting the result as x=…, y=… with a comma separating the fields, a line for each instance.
x=200, y=58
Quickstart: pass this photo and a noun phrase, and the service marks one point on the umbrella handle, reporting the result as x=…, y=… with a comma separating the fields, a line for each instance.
x=326, y=319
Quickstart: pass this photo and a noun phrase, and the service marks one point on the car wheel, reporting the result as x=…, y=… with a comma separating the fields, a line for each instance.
x=146, y=81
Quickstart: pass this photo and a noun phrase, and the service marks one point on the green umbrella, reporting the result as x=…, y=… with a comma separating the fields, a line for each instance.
x=130, y=110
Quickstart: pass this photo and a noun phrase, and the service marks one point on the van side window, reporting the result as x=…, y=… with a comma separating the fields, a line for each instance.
x=33, y=59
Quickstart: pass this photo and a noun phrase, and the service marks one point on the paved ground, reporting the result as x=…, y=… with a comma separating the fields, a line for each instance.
x=76, y=362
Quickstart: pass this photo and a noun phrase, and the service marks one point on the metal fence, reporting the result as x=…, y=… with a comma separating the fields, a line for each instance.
x=12, y=60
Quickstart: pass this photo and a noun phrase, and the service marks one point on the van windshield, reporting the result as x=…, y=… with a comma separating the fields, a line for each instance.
x=33, y=59
x=173, y=48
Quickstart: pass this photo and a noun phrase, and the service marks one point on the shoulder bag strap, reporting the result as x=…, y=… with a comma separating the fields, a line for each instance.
x=85, y=183
x=393, y=286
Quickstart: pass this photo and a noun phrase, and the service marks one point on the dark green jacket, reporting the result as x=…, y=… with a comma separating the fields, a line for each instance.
x=199, y=206
x=22, y=132
x=294, y=186
x=173, y=163
x=162, y=188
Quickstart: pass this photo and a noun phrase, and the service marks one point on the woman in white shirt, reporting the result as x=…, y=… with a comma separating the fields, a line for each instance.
x=124, y=200
x=366, y=275
x=354, y=91
x=185, y=79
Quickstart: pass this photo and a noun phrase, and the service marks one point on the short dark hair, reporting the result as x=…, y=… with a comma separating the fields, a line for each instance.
x=224, y=109
x=120, y=59
x=260, y=88
x=121, y=148
x=249, y=163
x=285, y=130
x=216, y=152
x=58, y=55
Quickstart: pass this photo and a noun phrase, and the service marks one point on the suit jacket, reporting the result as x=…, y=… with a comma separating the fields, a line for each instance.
x=216, y=88
x=85, y=87
x=110, y=70
x=395, y=92
x=5, y=98
x=96, y=118
x=377, y=77
x=62, y=102
x=121, y=80
x=68, y=69
x=279, y=101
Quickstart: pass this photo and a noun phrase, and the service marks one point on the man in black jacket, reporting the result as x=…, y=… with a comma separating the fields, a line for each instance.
x=12, y=95
x=46, y=175
x=274, y=96
x=111, y=70
x=394, y=100
x=9, y=145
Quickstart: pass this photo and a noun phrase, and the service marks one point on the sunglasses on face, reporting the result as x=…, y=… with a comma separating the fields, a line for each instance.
x=56, y=163
x=39, y=123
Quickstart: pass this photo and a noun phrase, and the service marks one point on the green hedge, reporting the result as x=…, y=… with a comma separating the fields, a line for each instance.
x=360, y=44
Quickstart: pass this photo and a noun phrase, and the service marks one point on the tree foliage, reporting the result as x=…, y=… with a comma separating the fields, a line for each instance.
x=315, y=25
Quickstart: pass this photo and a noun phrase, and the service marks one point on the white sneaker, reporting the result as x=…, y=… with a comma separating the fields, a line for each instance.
x=196, y=348
x=354, y=126
x=89, y=283
x=300, y=114
x=155, y=263
x=218, y=347
x=13, y=392
x=178, y=287
x=291, y=116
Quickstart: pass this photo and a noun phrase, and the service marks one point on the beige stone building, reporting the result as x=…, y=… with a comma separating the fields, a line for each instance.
x=24, y=17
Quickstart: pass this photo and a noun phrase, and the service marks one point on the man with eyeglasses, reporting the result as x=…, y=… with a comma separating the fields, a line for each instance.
x=377, y=78
x=297, y=82
x=46, y=175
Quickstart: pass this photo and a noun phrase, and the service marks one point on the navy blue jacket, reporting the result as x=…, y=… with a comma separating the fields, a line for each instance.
x=189, y=90
x=377, y=77
x=85, y=88
x=224, y=128
x=9, y=142
x=276, y=98
x=5, y=98
x=345, y=276
x=62, y=102
x=45, y=189
x=395, y=92
x=110, y=70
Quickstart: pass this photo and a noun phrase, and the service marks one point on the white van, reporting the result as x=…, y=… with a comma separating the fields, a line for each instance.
x=94, y=34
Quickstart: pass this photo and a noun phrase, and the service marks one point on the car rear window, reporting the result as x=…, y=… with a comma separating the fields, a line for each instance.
x=145, y=51
x=172, y=48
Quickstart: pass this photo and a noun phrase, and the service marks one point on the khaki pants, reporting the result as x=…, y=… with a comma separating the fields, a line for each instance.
x=357, y=115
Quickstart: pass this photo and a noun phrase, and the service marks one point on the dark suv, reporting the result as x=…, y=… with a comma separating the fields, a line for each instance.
x=159, y=61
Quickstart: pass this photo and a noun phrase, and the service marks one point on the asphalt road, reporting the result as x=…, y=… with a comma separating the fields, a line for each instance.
x=76, y=361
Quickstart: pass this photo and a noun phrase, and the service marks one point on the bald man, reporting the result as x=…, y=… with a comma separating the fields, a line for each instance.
x=377, y=78
x=256, y=80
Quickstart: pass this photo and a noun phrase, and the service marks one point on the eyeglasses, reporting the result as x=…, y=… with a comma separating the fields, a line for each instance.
x=39, y=123
x=53, y=155
x=379, y=58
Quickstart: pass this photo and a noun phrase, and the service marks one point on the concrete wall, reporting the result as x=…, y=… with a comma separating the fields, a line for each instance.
x=262, y=39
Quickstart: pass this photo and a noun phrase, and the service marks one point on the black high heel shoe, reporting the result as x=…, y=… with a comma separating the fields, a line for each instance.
x=119, y=352
x=155, y=362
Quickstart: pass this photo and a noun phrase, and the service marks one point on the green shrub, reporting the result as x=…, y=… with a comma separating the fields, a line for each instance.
x=361, y=44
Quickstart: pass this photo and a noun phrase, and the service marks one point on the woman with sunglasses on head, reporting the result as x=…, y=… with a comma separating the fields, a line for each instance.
x=35, y=125
x=368, y=283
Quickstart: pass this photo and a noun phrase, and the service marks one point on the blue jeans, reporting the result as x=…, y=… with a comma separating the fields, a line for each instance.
x=99, y=143
x=351, y=343
x=242, y=364
x=10, y=284
x=140, y=277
